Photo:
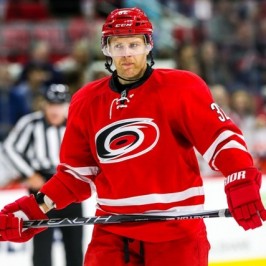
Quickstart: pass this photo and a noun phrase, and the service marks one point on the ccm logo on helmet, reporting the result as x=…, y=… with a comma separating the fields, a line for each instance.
x=123, y=25
x=235, y=176
x=122, y=12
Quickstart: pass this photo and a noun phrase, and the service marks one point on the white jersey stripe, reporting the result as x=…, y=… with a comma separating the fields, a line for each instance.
x=153, y=198
x=86, y=170
x=230, y=145
x=80, y=173
x=176, y=210
x=82, y=178
x=168, y=212
x=223, y=136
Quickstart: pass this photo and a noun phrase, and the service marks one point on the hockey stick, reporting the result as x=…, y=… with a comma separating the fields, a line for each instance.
x=112, y=219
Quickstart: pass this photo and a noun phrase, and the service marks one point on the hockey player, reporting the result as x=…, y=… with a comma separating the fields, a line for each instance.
x=130, y=138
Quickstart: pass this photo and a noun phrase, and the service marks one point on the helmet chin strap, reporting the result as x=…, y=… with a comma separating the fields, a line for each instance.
x=109, y=62
x=132, y=80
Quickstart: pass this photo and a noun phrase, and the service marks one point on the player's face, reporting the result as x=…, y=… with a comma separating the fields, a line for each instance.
x=129, y=56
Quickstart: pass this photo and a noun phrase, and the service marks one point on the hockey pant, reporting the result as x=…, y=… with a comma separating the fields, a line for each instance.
x=107, y=249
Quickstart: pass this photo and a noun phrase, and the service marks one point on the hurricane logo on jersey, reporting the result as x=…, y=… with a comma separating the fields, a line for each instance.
x=126, y=139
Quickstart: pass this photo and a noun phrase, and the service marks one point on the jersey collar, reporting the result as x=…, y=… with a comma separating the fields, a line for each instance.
x=116, y=86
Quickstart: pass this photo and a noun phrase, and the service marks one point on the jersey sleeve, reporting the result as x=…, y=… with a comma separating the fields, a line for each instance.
x=73, y=181
x=209, y=129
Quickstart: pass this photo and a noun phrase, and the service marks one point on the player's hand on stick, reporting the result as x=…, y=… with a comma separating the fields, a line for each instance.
x=243, y=197
x=11, y=225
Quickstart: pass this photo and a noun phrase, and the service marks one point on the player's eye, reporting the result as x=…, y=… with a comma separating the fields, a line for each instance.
x=134, y=45
x=118, y=46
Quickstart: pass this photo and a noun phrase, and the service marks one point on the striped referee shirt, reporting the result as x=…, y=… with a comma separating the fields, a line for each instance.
x=33, y=144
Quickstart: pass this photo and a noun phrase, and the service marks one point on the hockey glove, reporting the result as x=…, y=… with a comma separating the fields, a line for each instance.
x=243, y=198
x=11, y=226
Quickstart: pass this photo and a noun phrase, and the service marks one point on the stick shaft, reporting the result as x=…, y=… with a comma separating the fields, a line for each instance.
x=112, y=219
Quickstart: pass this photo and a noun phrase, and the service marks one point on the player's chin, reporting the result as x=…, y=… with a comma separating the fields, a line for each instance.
x=131, y=77
x=129, y=73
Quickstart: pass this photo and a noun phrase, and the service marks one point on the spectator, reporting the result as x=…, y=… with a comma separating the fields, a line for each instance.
x=258, y=147
x=6, y=83
x=184, y=7
x=243, y=58
x=24, y=96
x=242, y=104
x=79, y=60
x=221, y=26
x=41, y=54
x=213, y=67
x=261, y=49
x=187, y=58
x=223, y=99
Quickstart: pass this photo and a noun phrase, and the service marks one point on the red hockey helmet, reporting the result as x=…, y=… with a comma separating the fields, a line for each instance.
x=127, y=21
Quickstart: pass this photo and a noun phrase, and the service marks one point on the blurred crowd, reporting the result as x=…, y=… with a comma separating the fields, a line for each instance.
x=223, y=41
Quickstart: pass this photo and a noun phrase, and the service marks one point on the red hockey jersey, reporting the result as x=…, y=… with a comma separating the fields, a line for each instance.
x=136, y=150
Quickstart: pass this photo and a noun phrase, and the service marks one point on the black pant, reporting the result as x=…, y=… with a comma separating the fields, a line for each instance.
x=72, y=239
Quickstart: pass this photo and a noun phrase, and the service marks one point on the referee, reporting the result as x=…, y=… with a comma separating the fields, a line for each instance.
x=33, y=148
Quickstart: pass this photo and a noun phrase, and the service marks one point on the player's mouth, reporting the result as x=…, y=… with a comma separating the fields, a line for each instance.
x=127, y=64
